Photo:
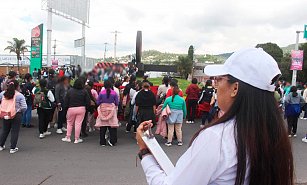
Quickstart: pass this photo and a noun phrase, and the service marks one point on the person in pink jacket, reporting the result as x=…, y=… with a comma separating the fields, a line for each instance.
x=107, y=114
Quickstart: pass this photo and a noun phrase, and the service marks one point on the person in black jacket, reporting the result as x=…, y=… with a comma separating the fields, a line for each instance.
x=27, y=92
x=145, y=103
x=77, y=101
x=61, y=90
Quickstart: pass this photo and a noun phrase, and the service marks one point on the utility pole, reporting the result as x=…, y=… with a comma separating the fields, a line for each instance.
x=115, y=42
x=49, y=31
x=294, y=72
x=105, y=51
x=54, y=47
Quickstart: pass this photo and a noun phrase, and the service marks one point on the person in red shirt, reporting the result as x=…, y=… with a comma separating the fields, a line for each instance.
x=169, y=92
x=192, y=98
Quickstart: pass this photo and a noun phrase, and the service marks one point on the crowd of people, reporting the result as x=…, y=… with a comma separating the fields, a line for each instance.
x=81, y=108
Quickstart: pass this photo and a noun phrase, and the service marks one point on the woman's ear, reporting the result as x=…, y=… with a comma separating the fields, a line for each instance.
x=234, y=89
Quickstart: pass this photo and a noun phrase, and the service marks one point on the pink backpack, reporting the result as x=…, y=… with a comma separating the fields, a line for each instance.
x=7, y=108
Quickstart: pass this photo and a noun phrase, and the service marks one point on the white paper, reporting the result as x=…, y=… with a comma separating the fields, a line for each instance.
x=161, y=157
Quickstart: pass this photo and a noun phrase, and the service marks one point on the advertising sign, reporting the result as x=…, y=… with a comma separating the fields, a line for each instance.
x=297, y=59
x=36, y=47
x=55, y=63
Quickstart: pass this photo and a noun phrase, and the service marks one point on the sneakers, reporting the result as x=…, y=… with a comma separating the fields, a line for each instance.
x=91, y=129
x=202, y=126
x=78, y=141
x=41, y=136
x=304, y=140
x=168, y=144
x=304, y=118
x=180, y=143
x=109, y=142
x=47, y=133
x=65, y=139
x=48, y=126
x=59, y=131
x=55, y=125
x=294, y=135
x=188, y=122
x=191, y=122
x=64, y=129
x=2, y=148
x=289, y=136
x=12, y=151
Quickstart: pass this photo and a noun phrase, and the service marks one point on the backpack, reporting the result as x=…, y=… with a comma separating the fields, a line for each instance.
x=7, y=108
x=206, y=95
x=26, y=92
x=41, y=100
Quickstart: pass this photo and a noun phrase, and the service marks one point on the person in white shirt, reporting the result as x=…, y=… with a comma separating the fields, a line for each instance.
x=248, y=144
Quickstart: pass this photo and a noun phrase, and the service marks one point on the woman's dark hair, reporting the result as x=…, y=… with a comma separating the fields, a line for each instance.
x=79, y=84
x=132, y=79
x=108, y=85
x=294, y=91
x=194, y=81
x=12, y=86
x=165, y=81
x=208, y=83
x=176, y=91
x=140, y=85
x=173, y=83
x=117, y=84
x=146, y=85
x=125, y=78
x=90, y=84
x=260, y=135
x=42, y=83
x=28, y=76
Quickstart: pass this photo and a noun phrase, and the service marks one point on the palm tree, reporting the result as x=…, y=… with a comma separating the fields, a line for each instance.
x=18, y=47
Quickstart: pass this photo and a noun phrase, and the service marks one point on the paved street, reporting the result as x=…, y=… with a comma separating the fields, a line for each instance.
x=52, y=162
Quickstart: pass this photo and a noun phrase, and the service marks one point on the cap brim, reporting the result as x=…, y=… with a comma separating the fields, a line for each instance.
x=215, y=70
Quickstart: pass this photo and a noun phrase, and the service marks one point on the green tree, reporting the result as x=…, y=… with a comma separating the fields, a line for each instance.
x=284, y=67
x=18, y=47
x=302, y=75
x=184, y=66
x=191, y=52
x=273, y=49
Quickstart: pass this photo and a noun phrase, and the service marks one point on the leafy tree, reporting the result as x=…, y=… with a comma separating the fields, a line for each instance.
x=284, y=67
x=273, y=49
x=191, y=52
x=184, y=66
x=18, y=47
x=302, y=75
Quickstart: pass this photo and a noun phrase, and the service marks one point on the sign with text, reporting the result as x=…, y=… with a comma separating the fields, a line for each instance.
x=36, y=47
x=305, y=31
x=297, y=59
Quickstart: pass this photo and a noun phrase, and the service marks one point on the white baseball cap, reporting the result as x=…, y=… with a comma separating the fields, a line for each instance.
x=252, y=66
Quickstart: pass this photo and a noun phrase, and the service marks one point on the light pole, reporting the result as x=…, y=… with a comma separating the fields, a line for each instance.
x=105, y=51
x=294, y=72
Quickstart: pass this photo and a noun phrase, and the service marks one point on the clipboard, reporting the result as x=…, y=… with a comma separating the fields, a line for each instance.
x=165, y=163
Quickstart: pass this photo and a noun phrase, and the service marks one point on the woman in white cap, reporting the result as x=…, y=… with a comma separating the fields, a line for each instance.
x=248, y=144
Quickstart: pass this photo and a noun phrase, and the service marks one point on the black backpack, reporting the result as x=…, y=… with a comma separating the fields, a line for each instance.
x=206, y=95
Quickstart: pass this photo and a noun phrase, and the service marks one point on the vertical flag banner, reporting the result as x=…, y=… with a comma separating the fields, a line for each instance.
x=297, y=59
x=36, y=47
x=305, y=31
x=55, y=64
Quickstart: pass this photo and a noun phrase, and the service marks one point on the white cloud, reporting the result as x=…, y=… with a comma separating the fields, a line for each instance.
x=212, y=26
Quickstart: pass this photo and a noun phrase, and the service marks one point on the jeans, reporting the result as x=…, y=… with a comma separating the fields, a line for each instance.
x=292, y=124
x=61, y=118
x=305, y=111
x=13, y=126
x=44, y=117
x=191, y=109
x=27, y=115
x=113, y=135
x=206, y=116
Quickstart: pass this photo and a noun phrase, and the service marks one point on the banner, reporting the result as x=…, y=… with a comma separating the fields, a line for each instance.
x=36, y=48
x=55, y=63
x=297, y=59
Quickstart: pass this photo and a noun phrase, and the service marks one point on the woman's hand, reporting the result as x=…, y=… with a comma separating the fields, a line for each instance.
x=141, y=129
